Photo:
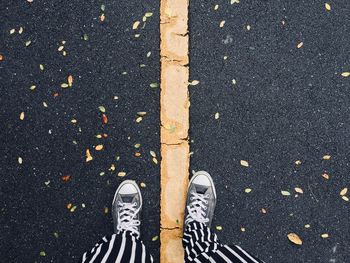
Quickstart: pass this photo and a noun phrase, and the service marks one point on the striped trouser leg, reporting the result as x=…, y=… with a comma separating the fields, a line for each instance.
x=124, y=248
x=201, y=245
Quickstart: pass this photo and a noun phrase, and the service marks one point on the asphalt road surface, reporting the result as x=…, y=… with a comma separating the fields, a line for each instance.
x=271, y=114
x=55, y=203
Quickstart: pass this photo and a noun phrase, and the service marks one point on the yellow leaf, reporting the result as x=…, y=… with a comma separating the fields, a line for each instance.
x=247, y=190
x=121, y=174
x=21, y=116
x=136, y=25
x=325, y=176
x=327, y=6
x=298, y=190
x=300, y=44
x=343, y=192
x=88, y=156
x=222, y=23
x=346, y=74
x=285, y=193
x=325, y=235
x=244, y=163
x=294, y=238
x=345, y=198
x=99, y=147
x=70, y=80
x=326, y=157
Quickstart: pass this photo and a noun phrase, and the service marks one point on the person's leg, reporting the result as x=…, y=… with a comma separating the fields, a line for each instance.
x=124, y=246
x=200, y=244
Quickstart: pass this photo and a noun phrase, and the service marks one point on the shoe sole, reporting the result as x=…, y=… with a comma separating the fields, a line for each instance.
x=207, y=175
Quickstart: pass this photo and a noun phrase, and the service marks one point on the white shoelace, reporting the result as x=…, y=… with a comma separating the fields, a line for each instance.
x=126, y=217
x=196, y=209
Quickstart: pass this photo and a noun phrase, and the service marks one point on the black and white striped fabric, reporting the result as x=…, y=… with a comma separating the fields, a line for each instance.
x=123, y=247
x=202, y=246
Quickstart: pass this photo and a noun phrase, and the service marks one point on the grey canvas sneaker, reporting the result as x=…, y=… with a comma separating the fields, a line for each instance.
x=201, y=199
x=126, y=208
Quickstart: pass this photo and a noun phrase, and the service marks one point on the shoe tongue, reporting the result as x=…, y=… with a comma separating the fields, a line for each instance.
x=127, y=198
x=201, y=189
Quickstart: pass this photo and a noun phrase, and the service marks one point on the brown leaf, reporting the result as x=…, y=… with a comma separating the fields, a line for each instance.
x=88, y=156
x=66, y=178
x=99, y=147
x=70, y=80
x=294, y=238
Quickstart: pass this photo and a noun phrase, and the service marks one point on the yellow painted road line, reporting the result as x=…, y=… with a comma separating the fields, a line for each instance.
x=174, y=126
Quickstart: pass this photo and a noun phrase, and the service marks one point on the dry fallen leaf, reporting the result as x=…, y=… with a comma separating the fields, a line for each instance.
x=136, y=25
x=244, y=163
x=217, y=116
x=21, y=116
x=343, y=191
x=327, y=6
x=326, y=157
x=346, y=74
x=222, y=23
x=345, y=198
x=102, y=109
x=194, y=82
x=99, y=147
x=66, y=178
x=298, y=190
x=325, y=236
x=247, y=190
x=294, y=238
x=88, y=156
x=285, y=193
x=325, y=176
x=298, y=162
x=70, y=80
x=121, y=174
x=300, y=44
